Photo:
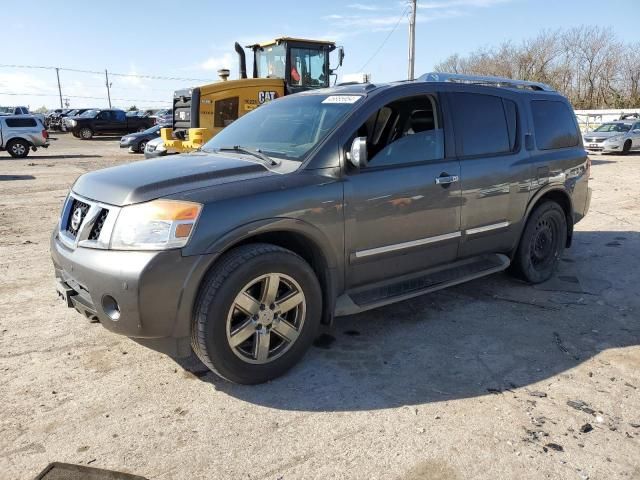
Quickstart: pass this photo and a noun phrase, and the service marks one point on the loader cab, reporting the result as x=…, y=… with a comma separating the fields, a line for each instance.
x=303, y=64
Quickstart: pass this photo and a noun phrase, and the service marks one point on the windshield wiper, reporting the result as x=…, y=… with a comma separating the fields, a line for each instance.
x=255, y=153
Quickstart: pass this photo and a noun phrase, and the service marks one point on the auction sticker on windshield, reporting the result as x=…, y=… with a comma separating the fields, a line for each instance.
x=342, y=99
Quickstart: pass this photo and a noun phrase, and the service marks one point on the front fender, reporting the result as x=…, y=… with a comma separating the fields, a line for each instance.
x=280, y=224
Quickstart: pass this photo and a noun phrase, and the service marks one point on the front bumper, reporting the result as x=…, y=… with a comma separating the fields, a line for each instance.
x=154, y=291
x=605, y=147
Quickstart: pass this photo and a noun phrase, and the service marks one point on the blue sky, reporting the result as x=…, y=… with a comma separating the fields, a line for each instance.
x=193, y=39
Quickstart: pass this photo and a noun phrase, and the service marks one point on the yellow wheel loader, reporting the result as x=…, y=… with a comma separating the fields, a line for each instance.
x=280, y=67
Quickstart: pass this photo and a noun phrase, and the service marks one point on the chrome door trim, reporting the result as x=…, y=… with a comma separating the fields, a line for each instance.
x=486, y=228
x=403, y=245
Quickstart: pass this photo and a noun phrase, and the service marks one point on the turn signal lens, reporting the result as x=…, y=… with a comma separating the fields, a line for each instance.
x=155, y=225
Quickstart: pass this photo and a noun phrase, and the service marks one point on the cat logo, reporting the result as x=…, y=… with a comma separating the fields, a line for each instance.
x=264, y=97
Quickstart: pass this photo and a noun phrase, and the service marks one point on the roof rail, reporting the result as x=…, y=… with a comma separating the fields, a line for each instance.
x=484, y=80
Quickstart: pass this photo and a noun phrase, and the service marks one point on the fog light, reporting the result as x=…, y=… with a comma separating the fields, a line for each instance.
x=111, y=307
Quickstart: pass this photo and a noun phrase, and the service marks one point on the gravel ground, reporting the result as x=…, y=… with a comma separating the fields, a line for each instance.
x=490, y=379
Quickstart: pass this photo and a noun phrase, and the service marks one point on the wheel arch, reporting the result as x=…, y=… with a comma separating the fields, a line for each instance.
x=558, y=195
x=300, y=237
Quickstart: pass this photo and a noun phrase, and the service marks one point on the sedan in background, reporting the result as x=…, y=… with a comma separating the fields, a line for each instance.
x=622, y=137
x=136, y=142
x=155, y=148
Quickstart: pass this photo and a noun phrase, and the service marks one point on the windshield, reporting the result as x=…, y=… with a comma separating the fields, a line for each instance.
x=6, y=109
x=613, y=127
x=286, y=128
x=90, y=113
x=271, y=61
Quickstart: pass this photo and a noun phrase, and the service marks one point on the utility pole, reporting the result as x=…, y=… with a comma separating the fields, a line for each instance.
x=59, y=89
x=412, y=37
x=106, y=77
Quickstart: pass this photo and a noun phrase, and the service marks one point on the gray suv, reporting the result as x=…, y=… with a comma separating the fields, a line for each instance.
x=322, y=204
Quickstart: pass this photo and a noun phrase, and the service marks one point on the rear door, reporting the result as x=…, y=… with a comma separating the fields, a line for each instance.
x=494, y=169
x=402, y=211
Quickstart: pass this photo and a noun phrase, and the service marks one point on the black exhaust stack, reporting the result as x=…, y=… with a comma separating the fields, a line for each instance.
x=243, y=60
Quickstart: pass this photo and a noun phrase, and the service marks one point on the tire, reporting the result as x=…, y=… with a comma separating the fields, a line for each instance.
x=541, y=244
x=626, y=147
x=141, y=129
x=217, y=317
x=18, y=148
x=86, y=133
x=141, y=146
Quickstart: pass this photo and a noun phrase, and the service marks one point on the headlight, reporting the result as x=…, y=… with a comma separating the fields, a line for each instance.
x=615, y=138
x=155, y=225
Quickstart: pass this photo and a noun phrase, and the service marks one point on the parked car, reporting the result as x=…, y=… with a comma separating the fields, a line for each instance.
x=106, y=122
x=164, y=116
x=21, y=111
x=622, y=137
x=136, y=142
x=21, y=133
x=319, y=204
x=65, y=120
x=155, y=148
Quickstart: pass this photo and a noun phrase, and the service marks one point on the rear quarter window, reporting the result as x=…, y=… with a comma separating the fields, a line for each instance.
x=554, y=125
x=21, y=122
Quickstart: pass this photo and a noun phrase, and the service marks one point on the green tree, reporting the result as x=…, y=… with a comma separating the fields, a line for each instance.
x=133, y=108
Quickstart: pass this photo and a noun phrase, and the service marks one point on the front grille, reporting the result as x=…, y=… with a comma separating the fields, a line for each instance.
x=75, y=220
x=99, y=223
x=594, y=139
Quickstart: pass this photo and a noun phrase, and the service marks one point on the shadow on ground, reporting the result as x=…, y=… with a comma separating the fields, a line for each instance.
x=484, y=336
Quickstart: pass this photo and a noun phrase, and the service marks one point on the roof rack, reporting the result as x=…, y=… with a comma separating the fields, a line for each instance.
x=484, y=80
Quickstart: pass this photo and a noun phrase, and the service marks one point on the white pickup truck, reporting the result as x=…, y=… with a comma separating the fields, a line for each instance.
x=20, y=111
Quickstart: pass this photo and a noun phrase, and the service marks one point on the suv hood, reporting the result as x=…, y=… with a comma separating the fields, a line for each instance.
x=149, y=179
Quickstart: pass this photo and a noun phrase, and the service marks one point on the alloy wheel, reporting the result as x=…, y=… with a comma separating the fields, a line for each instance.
x=266, y=318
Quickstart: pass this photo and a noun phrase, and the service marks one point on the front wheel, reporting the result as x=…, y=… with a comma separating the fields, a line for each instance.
x=86, y=133
x=141, y=146
x=626, y=147
x=257, y=313
x=542, y=243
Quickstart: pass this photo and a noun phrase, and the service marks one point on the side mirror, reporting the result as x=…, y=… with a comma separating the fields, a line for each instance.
x=340, y=55
x=358, y=152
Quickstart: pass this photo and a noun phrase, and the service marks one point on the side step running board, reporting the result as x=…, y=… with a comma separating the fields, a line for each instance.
x=396, y=290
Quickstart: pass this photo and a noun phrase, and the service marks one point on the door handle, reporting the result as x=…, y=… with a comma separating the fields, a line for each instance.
x=446, y=179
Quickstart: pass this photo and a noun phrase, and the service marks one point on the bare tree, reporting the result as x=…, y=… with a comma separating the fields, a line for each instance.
x=587, y=64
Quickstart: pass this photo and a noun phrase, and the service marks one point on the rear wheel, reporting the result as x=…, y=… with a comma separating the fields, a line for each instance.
x=257, y=313
x=626, y=147
x=86, y=133
x=141, y=146
x=542, y=243
x=18, y=148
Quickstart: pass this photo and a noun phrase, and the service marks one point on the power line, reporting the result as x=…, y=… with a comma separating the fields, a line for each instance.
x=95, y=72
x=85, y=97
x=386, y=38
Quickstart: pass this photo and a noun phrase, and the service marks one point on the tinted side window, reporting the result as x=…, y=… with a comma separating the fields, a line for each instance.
x=119, y=116
x=554, y=125
x=404, y=131
x=480, y=124
x=21, y=122
x=226, y=111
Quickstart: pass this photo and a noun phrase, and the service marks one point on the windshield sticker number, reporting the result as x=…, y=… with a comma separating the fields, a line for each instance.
x=342, y=99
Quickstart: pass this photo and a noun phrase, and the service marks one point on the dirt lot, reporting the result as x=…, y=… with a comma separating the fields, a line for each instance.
x=491, y=379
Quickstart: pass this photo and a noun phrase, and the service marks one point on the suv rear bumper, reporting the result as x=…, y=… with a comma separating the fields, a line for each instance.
x=154, y=291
